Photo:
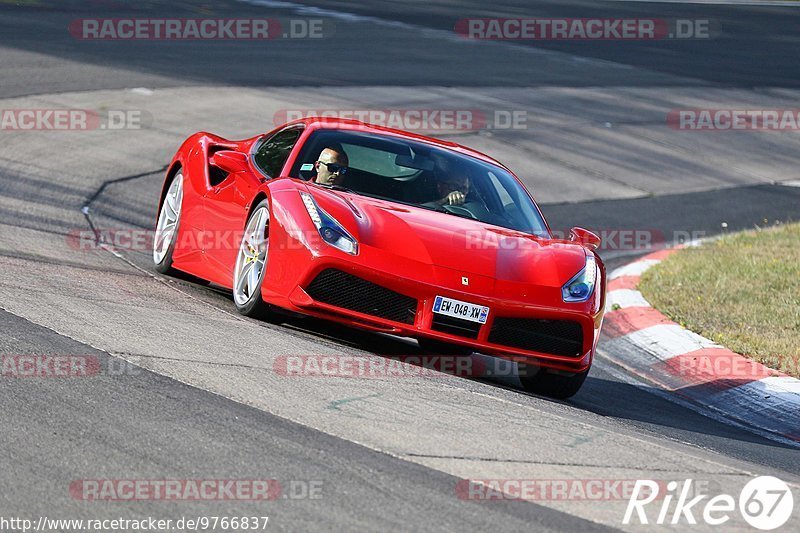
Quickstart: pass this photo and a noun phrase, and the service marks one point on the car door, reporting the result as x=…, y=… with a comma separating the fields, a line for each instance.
x=227, y=200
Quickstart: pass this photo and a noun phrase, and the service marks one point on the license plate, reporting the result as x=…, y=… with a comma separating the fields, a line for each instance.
x=459, y=309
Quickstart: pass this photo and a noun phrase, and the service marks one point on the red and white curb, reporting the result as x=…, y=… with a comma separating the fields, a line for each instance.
x=648, y=344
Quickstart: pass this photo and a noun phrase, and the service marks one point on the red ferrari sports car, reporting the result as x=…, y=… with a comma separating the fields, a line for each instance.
x=389, y=231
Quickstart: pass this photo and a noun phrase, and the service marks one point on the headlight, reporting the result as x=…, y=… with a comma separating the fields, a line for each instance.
x=581, y=287
x=329, y=228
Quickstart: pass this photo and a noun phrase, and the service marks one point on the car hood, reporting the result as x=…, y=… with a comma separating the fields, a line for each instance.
x=455, y=243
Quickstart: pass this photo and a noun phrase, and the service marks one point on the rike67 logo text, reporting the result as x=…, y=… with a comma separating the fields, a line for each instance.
x=765, y=503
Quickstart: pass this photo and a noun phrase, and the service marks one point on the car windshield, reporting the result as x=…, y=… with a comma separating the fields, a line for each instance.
x=418, y=174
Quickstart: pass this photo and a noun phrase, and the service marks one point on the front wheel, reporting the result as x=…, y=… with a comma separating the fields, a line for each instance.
x=251, y=261
x=552, y=383
x=169, y=219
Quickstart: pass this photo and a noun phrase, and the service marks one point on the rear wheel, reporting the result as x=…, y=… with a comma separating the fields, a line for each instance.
x=251, y=261
x=167, y=226
x=552, y=383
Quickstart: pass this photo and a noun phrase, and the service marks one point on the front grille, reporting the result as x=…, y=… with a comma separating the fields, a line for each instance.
x=455, y=326
x=556, y=337
x=344, y=290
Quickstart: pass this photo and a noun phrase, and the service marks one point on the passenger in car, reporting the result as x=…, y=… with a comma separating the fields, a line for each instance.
x=452, y=187
x=331, y=166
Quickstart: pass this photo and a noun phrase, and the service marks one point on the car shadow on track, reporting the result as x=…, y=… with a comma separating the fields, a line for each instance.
x=639, y=404
x=634, y=408
x=643, y=404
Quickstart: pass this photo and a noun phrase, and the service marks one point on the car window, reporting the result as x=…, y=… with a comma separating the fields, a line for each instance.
x=502, y=192
x=418, y=174
x=272, y=154
x=376, y=161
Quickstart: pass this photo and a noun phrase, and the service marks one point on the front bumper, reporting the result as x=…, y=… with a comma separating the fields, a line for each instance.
x=404, y=279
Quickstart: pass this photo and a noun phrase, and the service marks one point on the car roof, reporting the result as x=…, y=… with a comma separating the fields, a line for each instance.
x=330, y=123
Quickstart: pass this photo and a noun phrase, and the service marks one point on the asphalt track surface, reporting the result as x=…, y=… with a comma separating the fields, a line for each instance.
x=203, y=401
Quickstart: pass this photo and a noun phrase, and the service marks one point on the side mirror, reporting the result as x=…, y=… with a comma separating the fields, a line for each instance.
x=584, y=237
x=230, y=161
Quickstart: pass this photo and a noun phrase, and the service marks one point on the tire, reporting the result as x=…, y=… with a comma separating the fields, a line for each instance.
x=251, y=264
x=167, y=226
x=436, y=347
x=555, y=384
